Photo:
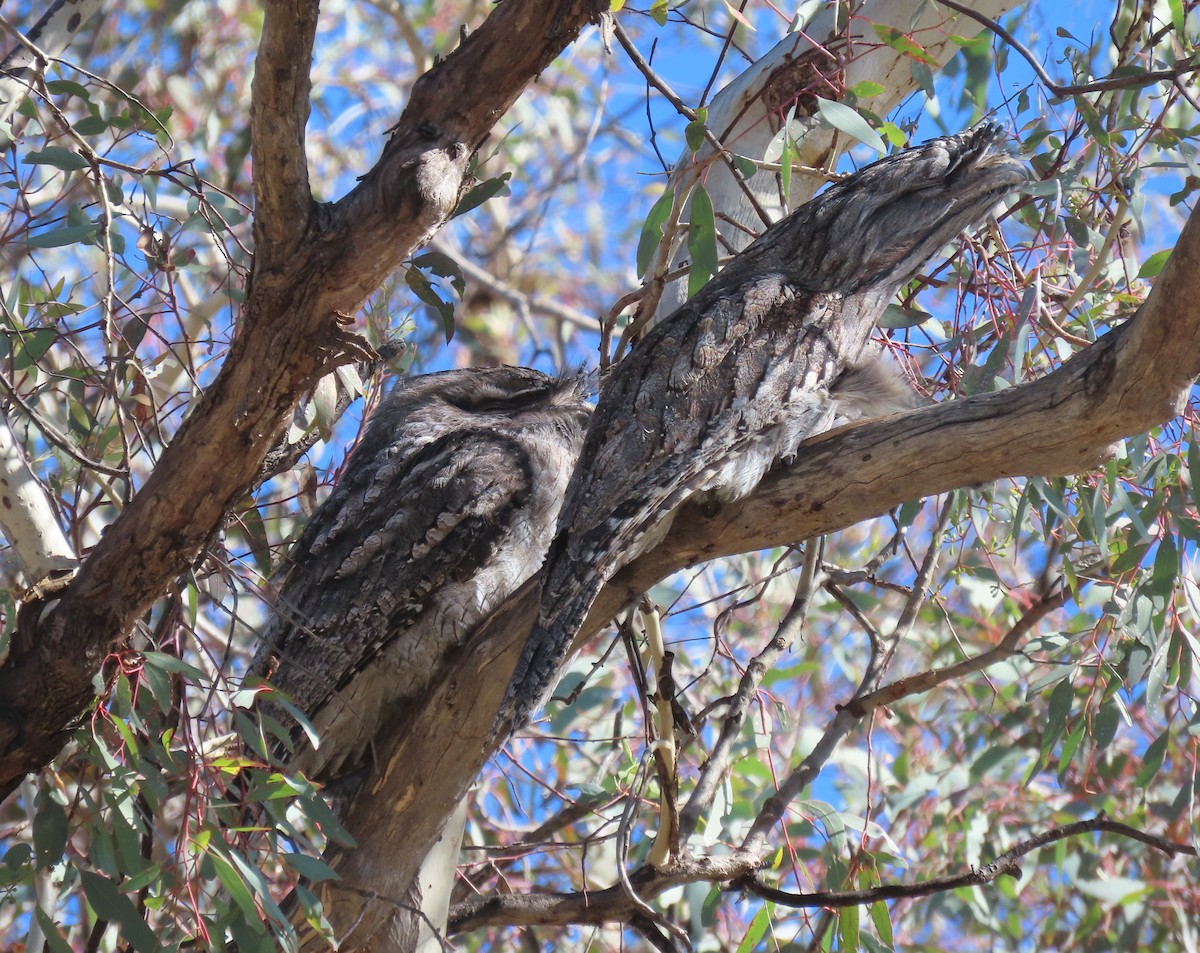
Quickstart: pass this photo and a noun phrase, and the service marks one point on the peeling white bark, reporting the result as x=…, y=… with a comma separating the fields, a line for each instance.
x=435, y=881
x=51, y=35
x=27, y=516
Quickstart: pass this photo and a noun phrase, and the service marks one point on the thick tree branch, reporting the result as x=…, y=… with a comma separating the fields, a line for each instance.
x=278, y=114
x=1131, y=380
x=613, y=906
x=292, y=332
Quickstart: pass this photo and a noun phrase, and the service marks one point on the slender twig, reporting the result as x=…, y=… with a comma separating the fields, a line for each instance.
x=666, y=841
x=717, y=763
x=637, y=790
x=690, y=114
x=924, y=681
x=1101, y=85
x=533, y=304
x=758, y=840
x=1006, y=863
x=1100, y=262
x=56, y=437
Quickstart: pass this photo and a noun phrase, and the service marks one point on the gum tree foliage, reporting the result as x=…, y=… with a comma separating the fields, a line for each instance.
x=939, y=638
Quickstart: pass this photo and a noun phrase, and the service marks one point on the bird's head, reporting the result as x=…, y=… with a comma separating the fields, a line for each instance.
x=879, y=226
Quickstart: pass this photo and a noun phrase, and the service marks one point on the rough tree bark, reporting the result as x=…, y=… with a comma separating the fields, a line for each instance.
x=314, y=264
x=317, y=262
x=1132, y=379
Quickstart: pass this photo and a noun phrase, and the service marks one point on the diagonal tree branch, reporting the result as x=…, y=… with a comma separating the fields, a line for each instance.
x=292, y=332
x=926, y=681
x=1131, y=380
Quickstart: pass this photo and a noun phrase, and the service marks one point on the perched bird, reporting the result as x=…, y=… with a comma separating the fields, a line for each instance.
x=444, y=509
x=730, y=384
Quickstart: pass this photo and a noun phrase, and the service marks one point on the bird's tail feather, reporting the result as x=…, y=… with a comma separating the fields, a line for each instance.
x=545, y=651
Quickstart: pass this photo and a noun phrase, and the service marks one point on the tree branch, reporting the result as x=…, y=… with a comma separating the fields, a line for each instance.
x=612, y=905
x=292, y=332
x=1101, y=85
x=925, y=681
x=1128, y=382
x=278, y=114
x=1006, y=863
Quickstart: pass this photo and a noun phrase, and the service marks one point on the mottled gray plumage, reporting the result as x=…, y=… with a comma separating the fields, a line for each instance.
x=445, y=508
x=731, y=383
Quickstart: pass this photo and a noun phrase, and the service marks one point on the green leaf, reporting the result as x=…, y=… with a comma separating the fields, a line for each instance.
x=895, y=316
x=58, y=156
x=745, y=167
x=757, y=930
x=54, y=939
x=314, y=913
x=312, y=868
x=91, y=126
x=867, y=88
x=893, y=134
x=444, y=267
x=58, y=237
x=320, y=814
x=49, y=830
x=1178, y=17
x=883, y=923
x=481, y=193
x=842, y=117
x=18, y=856
x=232, y=881
x=428, y=294
x=848, y=928
x=989, y=759
x=652, y=229
x=975, y=45
x=738, y=15
x=169, y=663
x=254, y=877
x=1166, y=567
x=1113, y=890
x=1061, y=700
x=301, y=719
x=1152, y=267
x=67, y=87
x=256, y=533
x=902, y=43
x=658, y=11
x=1152, y=760
x=701, y=241
x=31, y=346
x=109, y=903
x=1104, y=728
x=1069, y=747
